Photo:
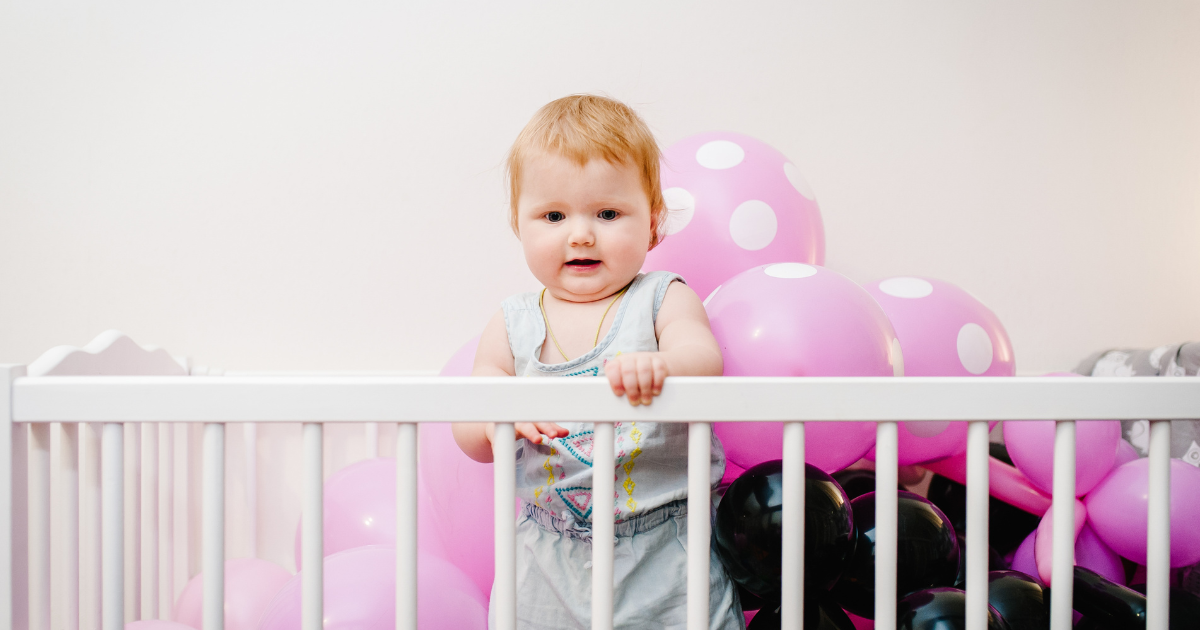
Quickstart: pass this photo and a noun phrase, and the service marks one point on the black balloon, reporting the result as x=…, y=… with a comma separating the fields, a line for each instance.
x=939, y=609
x=749, y=600
x=819, y=615
x=927, y=555
x=1106, y=604
x=1007, y=525
x=855, y=482
x=995, y=563
x=1019, y=599
x=747, y=535
x=1184, y=607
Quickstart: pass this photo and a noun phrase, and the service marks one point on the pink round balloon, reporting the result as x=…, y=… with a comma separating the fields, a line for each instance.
x=250, y=585
x=943, y=331
x=360, y=509
x=360, y=592
x=1031, y=446
x=155, y=624
x=463, y=360
x=734, y=202
x=1125, y=453
x=1090, y=553
x=794, y=319
x=1117, y=511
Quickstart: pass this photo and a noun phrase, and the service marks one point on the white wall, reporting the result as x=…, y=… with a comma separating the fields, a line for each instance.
x=317, y=185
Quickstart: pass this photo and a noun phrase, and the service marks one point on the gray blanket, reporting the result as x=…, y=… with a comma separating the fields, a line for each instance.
x=1177, y=360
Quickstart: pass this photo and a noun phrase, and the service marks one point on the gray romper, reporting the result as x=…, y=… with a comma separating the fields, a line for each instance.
x=554, y=482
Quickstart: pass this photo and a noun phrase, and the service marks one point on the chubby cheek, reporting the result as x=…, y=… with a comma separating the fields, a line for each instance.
x=543, y=258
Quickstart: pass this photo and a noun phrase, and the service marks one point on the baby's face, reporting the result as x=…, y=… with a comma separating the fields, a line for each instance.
x=585, y=230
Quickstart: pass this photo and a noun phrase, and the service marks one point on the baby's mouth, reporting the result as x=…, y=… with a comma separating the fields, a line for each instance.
x=583, y=263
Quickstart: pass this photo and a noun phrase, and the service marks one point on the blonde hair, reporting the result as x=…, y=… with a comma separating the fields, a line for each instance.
x=582, y=127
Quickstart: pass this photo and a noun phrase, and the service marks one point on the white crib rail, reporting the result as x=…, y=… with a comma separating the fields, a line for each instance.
x=699, y=401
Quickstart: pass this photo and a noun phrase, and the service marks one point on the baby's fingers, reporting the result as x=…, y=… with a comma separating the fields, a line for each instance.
x=613, y=371
x=645, y=377
x=551, y=430
x=629, y=376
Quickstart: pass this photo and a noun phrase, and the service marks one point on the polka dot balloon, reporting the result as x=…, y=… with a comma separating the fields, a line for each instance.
x=794, y=319
x=944, y=331
x=733, y=202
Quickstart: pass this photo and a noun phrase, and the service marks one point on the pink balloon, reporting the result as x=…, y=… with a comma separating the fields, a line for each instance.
x=1125, y=453
x=793, y=319
x=735, y=202
x=1092, y=553
x=943, y=331
x=462, y=503
x=360, y=592
x=1044, y=542
x=1117, y=510
x=1031, y=447
x=1004, y=482
x=1025, y=558
x=155, y=624
x=360, y=509
x=463, y=360
x=860, y=623
x=732, y=472
x=250, y=585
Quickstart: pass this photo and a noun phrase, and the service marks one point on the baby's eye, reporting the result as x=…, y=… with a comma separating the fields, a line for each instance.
x=555, y=217
x=608, y=214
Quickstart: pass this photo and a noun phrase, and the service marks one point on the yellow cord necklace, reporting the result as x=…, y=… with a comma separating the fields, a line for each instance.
x=542, y=305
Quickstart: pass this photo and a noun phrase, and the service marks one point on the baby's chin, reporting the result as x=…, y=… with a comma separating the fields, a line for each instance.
x=586, y=289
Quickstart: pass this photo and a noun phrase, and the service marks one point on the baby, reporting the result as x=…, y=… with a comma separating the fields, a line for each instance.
x=587, y=205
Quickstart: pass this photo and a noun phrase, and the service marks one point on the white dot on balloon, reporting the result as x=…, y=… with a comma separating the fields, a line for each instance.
x=681, y=205
x=897, y=358
x=974, y=348
x=906, y=287
x=753, y=225
x=710, y=295
x=720, y=154
x=793, y=175
x=790, y=270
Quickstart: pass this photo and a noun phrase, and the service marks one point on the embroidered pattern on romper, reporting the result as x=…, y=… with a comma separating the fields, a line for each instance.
x=578, y=500
x=579, y=445
x=636, y=435
x=592, y=371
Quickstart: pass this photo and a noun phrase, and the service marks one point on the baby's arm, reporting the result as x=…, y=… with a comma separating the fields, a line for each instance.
x=494, y=358
x=686, y=347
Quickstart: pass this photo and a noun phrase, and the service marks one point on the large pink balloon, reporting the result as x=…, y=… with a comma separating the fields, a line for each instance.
x=1031, y=447
x=360, y=509
x=463, y=360
x=793, y=319
x=734, y=202
x=250, y=585
x=1090, y=553
x=943, y=331
x=360, y=592
x=1117, y=511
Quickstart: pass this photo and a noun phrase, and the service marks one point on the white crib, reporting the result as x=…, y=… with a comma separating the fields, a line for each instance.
x=56, y=392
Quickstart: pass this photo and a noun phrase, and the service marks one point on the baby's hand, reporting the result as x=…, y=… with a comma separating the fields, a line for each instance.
x=535, y=432
x=639, y=375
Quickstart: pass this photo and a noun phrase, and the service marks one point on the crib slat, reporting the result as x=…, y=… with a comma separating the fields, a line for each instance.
x=371, y=440
x=89, y=526
x=112, y=461
x=182, y=506
x=312, y=542
x=1062, y=568
x=406, y=526
x=887, y=479
x=504, y=465
x=1158, y=528
x=12, y=502
x=603, y=472
x=68, y=467
x=39, y=527
x=250, y=443
x=149, y=521
x=794, y=482
x=213, y=518
x=698, y=523
x=133, y=522
x=166, y=520
x=977, y=524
